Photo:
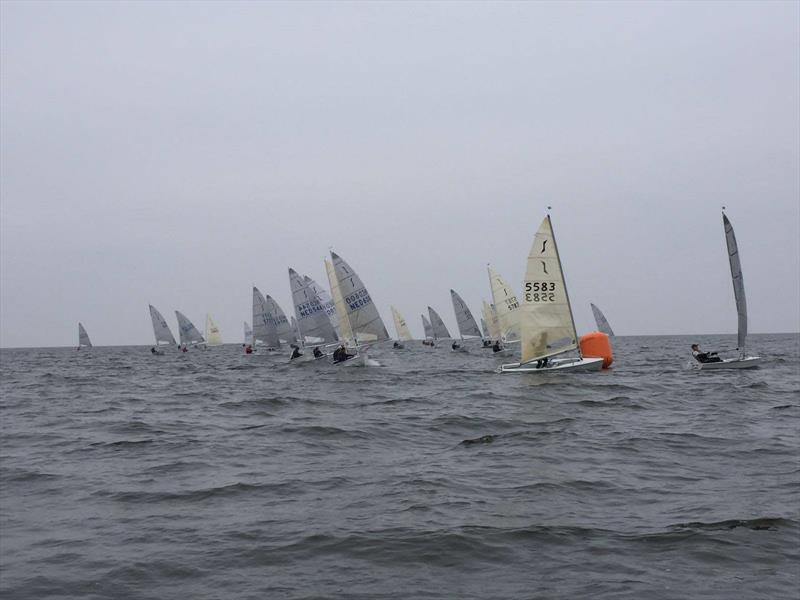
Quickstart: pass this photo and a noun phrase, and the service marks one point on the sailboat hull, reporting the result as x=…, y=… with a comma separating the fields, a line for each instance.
x=749, y=362
x=557, y=364
x=359, y=360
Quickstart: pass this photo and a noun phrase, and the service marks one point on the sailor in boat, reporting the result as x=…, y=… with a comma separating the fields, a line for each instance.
x=455, y=345
x=317, y=352
x=296, y=352
x=487, y=343
x=543, y=362
x=248, y=349
x=704, y=357
x=396, y=345
x=341, y=355
x=497, y=347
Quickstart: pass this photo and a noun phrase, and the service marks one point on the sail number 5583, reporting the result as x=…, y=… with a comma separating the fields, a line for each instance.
x=540, y=291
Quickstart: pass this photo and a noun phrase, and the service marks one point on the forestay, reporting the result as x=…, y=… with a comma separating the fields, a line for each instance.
x=439, y=328
x=213, y=336
x=187, y=331
x=467, y=327
x=83, y=337
x=506, y=305
x=602, y=322
x=400, y=325
x=546, y=323
x=365, y=320
x=738, y=283
x=160, y=327
x=312, y=320
x=426, y=325
x=345, y=332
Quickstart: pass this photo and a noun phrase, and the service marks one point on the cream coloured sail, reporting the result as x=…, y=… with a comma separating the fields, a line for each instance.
x=547, y=325
x=83, y=337
x=506, y=305
x=467, y=327
x=189, y=334
x=345, y=332
x=602, y=323
x=160, y=328
x=485, y=328
x=426, y=325
x=403, y=333
x=738, y=284
x=213, y=336
x=365, y=321
x=490, y=318
x=439, y=328
x=312, y=320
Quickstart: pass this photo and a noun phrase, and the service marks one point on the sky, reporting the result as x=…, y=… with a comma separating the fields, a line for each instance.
x=177, y=154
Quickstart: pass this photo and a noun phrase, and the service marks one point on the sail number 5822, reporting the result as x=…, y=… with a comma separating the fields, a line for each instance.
x=540, y=291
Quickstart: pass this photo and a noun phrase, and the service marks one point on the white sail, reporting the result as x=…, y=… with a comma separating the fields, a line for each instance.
x=490, y=317
x=426, y=325
x=602, y=322
x=738, y=284
x=439, y=328
x=325, y=299
x=264, y=330
x=160, y=327
x=187, y=331
x=312, y=320
x=547, y=325
x=213, y=336
x=345, y=332
x=282, y=325
x=506, y=306
x=467, y=327
x=83, y=337
x=248, y=334
x=365, y=321
x=403, y=333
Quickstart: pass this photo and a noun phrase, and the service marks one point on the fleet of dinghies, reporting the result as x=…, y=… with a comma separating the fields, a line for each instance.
x=344, y=323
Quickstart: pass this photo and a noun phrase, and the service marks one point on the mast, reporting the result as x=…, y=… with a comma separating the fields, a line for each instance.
x=566, y=292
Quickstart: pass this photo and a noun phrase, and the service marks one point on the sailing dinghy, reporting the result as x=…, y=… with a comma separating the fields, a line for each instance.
x=312, y=322
x=355, y=306
x=213, y=336
x=83, y=338
x=161, y=330
x=743, y=361
x=602, y=322
x=467, y=327
x=546, y=324
x=438, y=327
x=264, y=330
x=426, y=325
x=400, y=325
x=189, y=335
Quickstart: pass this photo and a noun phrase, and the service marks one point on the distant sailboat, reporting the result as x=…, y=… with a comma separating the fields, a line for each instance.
x=364, y=320
x=602, y=322
x=264, y=330
x=248, y=334
x=400, y=325
x=213, y=336
x=467, y=327
x=437, y=324
x=743, y=361
x=428, y=328
x=506, y=306
x=83, y=338
x=188, y=333
x=546, y=324
x=160, y=328
x=312, y=323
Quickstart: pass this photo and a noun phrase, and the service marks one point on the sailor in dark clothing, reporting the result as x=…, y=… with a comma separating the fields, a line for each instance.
x=455, y=345
x=704, y=357
x=542, y=362
x=317, y=352
x=340, y=354
x=296, y=352
x=497, y=347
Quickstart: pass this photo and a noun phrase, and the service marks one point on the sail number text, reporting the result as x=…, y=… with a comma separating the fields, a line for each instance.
x=359, y=299
x=540, y=291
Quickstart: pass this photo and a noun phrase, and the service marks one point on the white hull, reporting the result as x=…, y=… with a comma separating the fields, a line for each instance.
x=748, y=362
x=359, y=360
x=556, y=364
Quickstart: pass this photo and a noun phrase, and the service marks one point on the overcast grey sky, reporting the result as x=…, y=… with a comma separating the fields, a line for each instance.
x=178, y=153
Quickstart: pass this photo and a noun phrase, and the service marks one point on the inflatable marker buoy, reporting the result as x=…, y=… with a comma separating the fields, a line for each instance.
x=597, y=345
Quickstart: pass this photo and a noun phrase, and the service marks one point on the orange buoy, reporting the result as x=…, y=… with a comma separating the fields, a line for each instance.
x=597, y=345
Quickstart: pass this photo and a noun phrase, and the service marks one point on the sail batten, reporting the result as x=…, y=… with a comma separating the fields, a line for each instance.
x=467, y=327
x=738, y=284
x=160, y=327
x=547, y=325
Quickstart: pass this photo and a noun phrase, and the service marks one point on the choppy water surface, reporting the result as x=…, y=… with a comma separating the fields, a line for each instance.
x=220, y=475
